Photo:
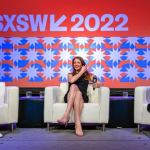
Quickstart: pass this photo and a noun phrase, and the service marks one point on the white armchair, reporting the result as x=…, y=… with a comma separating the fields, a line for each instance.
x=9, y=98
x=141, y=100
x=96, y=111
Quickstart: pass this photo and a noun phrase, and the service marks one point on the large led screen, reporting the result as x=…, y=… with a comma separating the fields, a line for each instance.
x=39, y=39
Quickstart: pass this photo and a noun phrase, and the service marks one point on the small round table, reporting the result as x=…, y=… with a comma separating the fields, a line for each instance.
x=121, y=113
x=31, y=112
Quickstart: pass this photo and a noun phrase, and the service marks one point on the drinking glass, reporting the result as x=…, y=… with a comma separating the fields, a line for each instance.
x=41, y=94
x=28, y=93
x=125, y=94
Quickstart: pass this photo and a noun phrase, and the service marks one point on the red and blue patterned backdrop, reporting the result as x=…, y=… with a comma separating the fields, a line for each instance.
x=48, y=60
x=30, y=56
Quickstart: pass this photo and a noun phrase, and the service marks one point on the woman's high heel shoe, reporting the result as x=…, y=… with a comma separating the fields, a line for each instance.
x=64, y=120
x=77, y=133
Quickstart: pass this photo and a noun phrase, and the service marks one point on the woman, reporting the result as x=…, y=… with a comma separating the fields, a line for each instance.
x=77, y=92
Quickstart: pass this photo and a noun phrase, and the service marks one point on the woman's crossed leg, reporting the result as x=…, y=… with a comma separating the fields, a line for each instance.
x=75, y=100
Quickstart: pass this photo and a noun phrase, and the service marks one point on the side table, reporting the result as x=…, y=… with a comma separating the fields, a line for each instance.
x=31, y=112
x=121, y=113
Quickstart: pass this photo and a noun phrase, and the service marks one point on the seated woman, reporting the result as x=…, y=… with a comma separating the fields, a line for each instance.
x=77, y=92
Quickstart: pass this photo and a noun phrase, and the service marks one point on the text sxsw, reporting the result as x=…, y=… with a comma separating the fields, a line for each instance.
x=38, y=22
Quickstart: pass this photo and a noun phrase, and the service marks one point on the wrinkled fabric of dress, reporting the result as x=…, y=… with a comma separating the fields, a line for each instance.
x=82, y=85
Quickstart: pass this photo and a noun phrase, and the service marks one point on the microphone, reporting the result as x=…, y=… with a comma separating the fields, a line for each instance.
x=94, y=80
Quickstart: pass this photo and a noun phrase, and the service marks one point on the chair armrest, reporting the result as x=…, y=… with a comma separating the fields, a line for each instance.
x=104, y=95
x=12, y=99
x=139, y=99
x=51, y=97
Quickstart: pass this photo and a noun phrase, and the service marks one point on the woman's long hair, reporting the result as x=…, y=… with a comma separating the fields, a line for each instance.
x=86, y=74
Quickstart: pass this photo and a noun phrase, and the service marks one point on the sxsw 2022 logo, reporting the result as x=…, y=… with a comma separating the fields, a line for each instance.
x=23, y=23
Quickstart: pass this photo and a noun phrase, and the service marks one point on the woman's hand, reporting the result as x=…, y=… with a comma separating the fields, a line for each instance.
x=95, y=85
x=98, y=84
x=83, y=69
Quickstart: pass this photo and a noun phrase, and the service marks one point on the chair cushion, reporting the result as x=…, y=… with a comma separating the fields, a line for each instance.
x=90, y=112
x=63, y=90
x=92, y=94
x=2, y=92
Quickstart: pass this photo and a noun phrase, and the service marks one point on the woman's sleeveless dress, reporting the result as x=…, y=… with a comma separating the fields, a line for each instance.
x=82, y=85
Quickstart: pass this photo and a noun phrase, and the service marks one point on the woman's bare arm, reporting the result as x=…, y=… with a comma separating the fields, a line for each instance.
x=72, y=79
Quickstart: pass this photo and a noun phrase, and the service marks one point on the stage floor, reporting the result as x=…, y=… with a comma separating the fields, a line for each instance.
x=64, y=138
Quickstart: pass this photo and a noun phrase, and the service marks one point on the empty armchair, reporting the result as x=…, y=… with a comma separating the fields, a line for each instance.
x=9, y=98
x=141, y=101
x=96, y=111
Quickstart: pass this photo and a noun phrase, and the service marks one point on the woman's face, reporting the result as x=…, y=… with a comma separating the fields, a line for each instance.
x=77, y=64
